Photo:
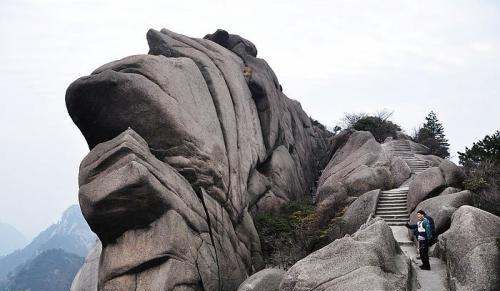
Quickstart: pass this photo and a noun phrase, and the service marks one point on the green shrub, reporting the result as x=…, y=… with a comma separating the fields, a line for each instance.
x=485, y=150
x=379, y=124
x=482, y=167
x=288, y=235
x=431, y=134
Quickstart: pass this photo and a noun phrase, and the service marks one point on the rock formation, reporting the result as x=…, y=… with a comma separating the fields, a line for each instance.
x=185, y=143
x=471, y=249
x=359, y=165
x=433, y=180
x=86, y=278
x=441, y=208
x=264, y=280
x=190, y=141
x=369, y=260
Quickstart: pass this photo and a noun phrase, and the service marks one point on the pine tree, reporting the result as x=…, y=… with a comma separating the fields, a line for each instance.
x=431, y=134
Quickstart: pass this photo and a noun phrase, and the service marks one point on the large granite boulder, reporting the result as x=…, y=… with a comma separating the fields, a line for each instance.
x=453, y=175
x=86, y=278
x=264, y=280
x=449, y=190
x=359, y=165
x=427, y=183
x=434, y=180
x=471, y=250
x=185, y=143
x=360, y=210
x=369, y=260
x=441, y=208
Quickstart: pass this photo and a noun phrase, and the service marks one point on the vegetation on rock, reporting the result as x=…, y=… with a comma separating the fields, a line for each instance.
x=290, y=234
x=294, y=232
x=431, y=134
x=379, y=124
x=482, y=167
x=52, y=270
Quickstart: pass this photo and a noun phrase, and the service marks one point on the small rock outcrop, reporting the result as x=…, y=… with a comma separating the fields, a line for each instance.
x=369, y=260
x=264, y=280
x=471, y=250
x=360, y=210
x=186, y=142
x=86, y=278
x=361, y=164
x=442, y=207
x=434, y=180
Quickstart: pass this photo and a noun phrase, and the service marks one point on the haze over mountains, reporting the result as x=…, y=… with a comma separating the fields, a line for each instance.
x=61, y=246
x=12, y=239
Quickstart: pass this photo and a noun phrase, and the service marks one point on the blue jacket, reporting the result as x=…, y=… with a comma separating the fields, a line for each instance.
x=427, y=227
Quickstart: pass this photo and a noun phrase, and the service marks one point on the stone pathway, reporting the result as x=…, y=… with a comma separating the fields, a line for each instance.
x=433, y=280
x=392, y=207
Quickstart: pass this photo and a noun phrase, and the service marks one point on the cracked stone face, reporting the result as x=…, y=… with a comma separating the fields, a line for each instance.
x=183, y=145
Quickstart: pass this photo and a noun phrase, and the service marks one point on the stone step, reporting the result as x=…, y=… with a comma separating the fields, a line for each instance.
x=391, y=212
x=384, y=199
x=399, y=208
x=395, y=221
x=392, y=204
x=396, y=191
x=394, y=194
x=385, y=204
x=391, y=220
x=393, y=217
x=393, y=201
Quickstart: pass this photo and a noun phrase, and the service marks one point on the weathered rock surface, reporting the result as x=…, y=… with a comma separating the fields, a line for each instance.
x=453, y=175
x=441, y=208
x=369, y=260
x=470, y=249
x=185, y=142
x=434, y=180
x=449, y=190
x=86, y=278
x=360, y=210
x=359, y=165
x=264, y=280
x=424, y=184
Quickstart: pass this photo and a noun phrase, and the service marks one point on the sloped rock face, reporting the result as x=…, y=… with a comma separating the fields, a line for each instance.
x=471, y=251
x=441, y=208
x=360, y=210
x=434, y=180
x=359, y=165
x=369, y=260
x=86, y=278
x=424, y=184
x=264, y=280
x=185, y=142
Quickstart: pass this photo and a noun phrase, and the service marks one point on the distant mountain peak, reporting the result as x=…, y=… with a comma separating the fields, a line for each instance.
x=71, y=234
x=12, y=239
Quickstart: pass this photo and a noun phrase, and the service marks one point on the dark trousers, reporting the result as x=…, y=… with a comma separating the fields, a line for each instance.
x=423, y=249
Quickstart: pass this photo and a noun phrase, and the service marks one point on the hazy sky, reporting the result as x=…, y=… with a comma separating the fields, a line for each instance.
x=332, y=56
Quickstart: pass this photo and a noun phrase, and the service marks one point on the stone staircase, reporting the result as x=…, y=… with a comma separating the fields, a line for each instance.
x=391, y=204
